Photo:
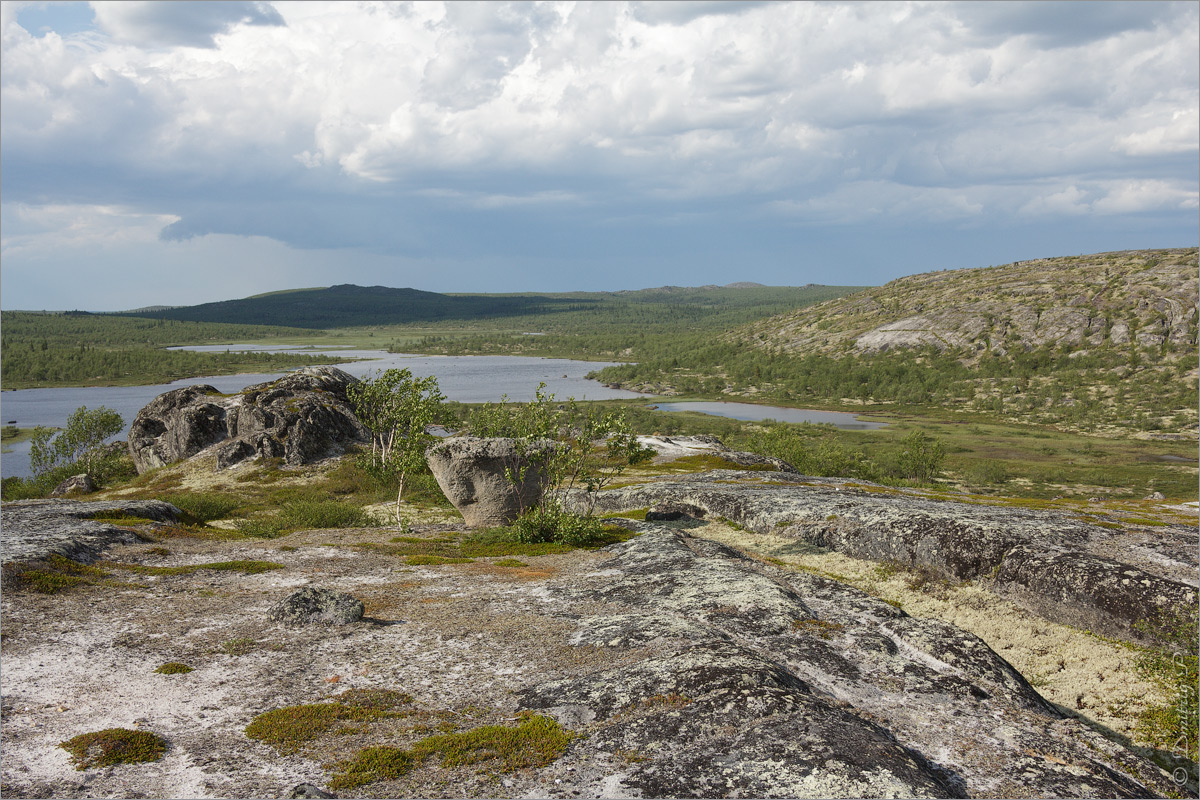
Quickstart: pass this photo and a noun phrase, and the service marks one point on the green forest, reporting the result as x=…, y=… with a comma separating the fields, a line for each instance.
x=81, y=349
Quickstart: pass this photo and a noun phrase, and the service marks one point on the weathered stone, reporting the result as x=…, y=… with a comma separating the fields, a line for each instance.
x=302, y=417
x=312, y=605
x=36, y=529
x=307, y=790
x=1125, y=584
x=476, y=476
x=734, y=678
x=76, y=484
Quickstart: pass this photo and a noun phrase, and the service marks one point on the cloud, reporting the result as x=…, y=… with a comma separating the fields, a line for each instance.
x=414, y=129
x=191, y=23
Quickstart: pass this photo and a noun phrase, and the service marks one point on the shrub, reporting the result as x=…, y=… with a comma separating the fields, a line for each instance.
x=550, y=523
x=114, y=746
x=310, y=514
x=202, y=506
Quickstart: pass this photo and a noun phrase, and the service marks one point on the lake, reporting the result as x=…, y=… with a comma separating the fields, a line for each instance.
x=467, y=379
x=757, y=413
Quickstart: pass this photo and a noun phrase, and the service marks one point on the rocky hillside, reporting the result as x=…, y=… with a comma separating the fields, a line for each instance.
x=1106, y=300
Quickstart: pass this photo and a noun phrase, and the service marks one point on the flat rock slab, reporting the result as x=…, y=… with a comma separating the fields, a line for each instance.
x=36, y=529
x=738, y=679
x=685, y=667
x=1122, y=583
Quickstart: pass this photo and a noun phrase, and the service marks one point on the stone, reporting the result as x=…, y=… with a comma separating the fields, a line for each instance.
x=308, y=790
x=734, y=678
x=302, y=417
x=1129, y=584
x=76, y=484
x=315, y=606
x=1156, y=496
x=473, y=474
x=37, y=529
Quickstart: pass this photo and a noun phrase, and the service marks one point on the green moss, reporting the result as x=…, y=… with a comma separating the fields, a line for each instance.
x=636, y=513
x=510, y=562
x=421, y=561
x=372, y=764
x=286, y=729
x=123, y=520
x=243, y=566
x=173, y=668
x=51, y=575
x=376, y=699
x=534, y=743
x=114, y=746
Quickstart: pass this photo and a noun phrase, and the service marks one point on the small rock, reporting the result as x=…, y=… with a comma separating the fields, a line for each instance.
x=669, y=512
x=1156, y=496
x=312, y=605
x=76, y=484
x=309, y=791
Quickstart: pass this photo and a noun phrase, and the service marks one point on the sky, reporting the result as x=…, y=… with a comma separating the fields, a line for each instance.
x=183, y=152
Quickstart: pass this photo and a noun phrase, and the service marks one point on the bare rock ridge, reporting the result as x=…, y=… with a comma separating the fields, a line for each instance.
x=302, y=417
x=37, y=529
x=1147, y=297
x=733, y=678
x=1119, y=583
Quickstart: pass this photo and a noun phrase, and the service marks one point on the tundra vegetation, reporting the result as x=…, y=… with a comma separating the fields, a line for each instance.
x=1086, y=427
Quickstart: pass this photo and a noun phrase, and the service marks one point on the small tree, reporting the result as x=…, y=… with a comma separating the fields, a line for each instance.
x=397, y=408
x=78, y=443
x=922, y=457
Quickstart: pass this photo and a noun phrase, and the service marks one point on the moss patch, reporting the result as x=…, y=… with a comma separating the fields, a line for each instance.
x=243, y=566
x=114, y=746
x=536, y=742
x=51, y=575
x=173, y=668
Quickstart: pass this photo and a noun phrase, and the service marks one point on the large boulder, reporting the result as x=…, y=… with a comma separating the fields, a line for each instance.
x=474, y=476
x=302, y=417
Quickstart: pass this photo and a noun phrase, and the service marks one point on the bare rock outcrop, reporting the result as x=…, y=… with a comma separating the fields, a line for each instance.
x=1125, y=584
x=75, y=485
x=37, y=529
x=302, y=417
x=474, y=474
x=733, y=678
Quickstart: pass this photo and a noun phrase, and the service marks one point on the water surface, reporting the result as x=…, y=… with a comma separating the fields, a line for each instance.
x=467, y=379
x=756, y=413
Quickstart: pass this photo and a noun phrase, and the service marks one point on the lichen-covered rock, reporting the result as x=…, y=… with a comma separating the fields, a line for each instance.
x=315, y=606
x=36, y=529
x=477, y=476
x=1123, y=584
x=734, y=678
x=76, y=484
x=302, y=417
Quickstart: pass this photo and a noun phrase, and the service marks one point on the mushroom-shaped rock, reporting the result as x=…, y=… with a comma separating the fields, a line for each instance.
x=490, y=481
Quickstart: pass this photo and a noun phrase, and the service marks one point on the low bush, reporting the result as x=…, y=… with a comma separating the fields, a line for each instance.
x=113, y=746
x=202, y=506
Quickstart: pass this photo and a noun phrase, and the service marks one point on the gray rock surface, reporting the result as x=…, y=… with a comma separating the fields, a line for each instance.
x=302, y=417
x=1121, y=583
x=472, y=474
x=316, y=606
x=76, y=484
x=36, y=529
x=732, y=678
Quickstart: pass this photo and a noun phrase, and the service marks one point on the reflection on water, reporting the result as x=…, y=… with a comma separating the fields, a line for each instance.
x=757, y=413
x=467, y=379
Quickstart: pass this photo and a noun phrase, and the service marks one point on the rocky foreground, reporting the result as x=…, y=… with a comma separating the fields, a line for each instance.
x=680, y=665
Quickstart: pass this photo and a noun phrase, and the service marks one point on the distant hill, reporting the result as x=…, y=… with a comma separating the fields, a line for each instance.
x=1106, y=300
x=348, y=305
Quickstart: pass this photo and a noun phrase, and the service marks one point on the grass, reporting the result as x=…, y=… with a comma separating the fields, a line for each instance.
x=243, y=566
x=113, y=746
x=202, y=506
x=51, y=575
